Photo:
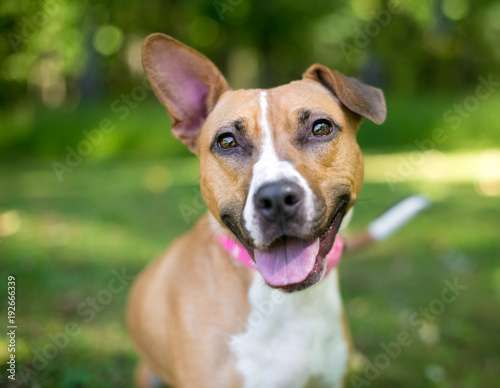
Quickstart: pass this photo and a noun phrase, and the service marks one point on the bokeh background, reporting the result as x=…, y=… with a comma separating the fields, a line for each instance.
x=93, y=185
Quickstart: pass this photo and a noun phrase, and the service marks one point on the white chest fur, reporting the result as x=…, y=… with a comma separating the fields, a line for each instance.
x=292, y=338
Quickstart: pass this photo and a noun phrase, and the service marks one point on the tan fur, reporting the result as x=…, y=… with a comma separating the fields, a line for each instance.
x=341, y=162
x=196, y=281
x=186, y=305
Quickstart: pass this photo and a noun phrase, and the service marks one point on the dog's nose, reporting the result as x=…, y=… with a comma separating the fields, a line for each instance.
x=278, y=200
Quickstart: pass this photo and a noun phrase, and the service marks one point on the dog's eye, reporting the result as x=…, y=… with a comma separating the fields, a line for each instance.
x=321, y=128
x=226, y=141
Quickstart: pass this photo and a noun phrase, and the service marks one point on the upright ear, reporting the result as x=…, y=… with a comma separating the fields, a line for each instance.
x=185, y=81
x=359, y=98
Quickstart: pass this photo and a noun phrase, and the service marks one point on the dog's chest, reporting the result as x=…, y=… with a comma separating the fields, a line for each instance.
x=292, y=339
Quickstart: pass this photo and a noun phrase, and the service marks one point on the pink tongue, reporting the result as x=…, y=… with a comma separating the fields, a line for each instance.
x=288, y=261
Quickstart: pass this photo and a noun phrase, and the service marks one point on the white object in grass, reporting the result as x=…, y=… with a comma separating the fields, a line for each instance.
x=397, y=216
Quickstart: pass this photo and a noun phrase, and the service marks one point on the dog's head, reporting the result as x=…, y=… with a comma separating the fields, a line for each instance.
x=279, y=167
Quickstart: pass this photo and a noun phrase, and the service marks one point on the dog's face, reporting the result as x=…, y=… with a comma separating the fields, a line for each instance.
x=279, y=167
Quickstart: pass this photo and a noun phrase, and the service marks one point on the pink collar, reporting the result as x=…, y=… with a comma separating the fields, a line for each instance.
x=237, y=251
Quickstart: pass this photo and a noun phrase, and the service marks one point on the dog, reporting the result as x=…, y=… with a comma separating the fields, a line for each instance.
x=249, y=297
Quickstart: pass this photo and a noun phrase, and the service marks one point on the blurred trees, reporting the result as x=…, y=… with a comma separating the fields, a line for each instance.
x=59, y=51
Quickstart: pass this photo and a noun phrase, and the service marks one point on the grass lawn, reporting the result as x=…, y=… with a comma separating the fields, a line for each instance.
x=65, y=241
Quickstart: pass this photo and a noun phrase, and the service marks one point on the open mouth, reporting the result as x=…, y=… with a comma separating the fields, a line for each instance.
x=292, y=263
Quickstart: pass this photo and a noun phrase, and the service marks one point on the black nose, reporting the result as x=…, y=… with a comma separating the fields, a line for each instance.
x=278, y=200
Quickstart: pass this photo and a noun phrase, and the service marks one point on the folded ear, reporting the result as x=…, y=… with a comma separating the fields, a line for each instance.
x=359, y=98
x=185, y=81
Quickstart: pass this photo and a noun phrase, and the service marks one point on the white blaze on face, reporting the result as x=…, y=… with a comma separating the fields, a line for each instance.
x=269, y=168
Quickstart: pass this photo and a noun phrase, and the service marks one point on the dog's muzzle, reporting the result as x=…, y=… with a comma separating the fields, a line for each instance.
x=280, y=208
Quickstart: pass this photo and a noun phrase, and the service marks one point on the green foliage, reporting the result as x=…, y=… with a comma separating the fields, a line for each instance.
x=61, y=52
x=30, y=132
x=63, y=64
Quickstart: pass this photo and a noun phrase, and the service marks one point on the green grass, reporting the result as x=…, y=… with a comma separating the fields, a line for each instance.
x=102, y=217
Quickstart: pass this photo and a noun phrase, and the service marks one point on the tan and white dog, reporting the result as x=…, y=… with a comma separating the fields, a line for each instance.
x=279, y=169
